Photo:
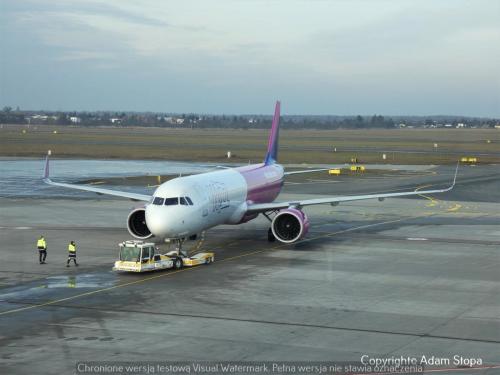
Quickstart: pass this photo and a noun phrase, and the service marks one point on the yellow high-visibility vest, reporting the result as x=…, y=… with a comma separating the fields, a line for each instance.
x=41, y=243
x=71, y=248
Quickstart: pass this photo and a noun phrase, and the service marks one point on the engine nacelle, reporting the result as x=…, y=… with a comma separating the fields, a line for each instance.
x=290, y=225
x=136, y=224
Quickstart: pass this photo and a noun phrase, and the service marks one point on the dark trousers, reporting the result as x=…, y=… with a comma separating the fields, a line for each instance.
x=42, y=255
x=71, y=256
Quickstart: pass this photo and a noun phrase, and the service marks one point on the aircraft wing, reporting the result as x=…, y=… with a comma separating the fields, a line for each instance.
x=215, y=166
x=116, y=193
x=264, y=207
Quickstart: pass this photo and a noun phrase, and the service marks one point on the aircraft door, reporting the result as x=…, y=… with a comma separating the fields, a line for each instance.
x=146, y=254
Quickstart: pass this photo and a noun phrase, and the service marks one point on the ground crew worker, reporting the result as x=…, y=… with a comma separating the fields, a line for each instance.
x=71, y=253
x=42, y=249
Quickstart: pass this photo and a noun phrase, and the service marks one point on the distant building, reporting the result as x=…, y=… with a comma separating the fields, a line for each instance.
x=461, y=125
x=116, y=120
x=40, y=117
x=75, y=120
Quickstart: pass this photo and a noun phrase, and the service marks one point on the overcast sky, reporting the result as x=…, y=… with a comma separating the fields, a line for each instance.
x=319, y=57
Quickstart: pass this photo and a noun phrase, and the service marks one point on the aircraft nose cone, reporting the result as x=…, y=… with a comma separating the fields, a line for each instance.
x=154, y=221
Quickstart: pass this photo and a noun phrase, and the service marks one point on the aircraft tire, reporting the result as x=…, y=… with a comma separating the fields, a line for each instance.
x=270, y=235
x=177, y=263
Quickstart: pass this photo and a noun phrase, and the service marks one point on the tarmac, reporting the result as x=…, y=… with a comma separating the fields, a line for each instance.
x=403, y=277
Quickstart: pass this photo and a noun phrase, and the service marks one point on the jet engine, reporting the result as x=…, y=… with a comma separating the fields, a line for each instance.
x=290, y=225
x=136, y=224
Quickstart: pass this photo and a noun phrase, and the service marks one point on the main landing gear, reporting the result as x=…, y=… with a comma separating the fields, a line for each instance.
x=270, y=235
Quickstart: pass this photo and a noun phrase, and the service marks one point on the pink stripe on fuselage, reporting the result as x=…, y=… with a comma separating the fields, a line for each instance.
x=261, y=189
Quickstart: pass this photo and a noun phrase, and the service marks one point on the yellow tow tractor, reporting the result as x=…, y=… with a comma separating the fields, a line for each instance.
x=138, y=256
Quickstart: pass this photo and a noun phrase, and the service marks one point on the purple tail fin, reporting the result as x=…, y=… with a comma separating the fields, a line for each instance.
x=272, y=146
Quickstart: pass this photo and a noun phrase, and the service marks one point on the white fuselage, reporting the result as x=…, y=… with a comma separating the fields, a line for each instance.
x=218, y=197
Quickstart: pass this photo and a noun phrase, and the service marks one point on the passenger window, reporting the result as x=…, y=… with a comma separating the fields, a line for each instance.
x=183, y=201
x=171, y=201
x=158, y=201
x=189, y=201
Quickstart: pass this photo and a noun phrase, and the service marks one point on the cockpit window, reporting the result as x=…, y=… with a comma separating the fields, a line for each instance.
x=158, y=201
x=185, y=201
x=171, y=201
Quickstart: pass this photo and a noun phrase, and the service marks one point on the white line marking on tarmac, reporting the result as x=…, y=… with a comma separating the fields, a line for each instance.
x=416, y=239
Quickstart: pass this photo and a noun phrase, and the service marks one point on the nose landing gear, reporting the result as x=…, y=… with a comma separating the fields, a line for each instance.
x=178, y=247
x=193, y=244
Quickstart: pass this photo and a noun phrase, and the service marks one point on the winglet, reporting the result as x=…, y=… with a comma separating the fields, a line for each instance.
x=455, y=177
x=272, y=145
x=47, y=169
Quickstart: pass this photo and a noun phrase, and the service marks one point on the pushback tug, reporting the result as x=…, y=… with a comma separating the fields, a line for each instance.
x=139, y=256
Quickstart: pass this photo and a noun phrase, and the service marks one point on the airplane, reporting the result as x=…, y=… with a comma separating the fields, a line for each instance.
x=185, y=206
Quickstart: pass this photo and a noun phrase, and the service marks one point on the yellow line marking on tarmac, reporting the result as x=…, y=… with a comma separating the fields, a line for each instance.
x=360, y=227
x=433, y=200
x=456, y=207
x=189, y=269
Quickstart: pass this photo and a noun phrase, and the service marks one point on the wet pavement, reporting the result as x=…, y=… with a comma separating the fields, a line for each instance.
x=399, y=277
x=22, y=177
